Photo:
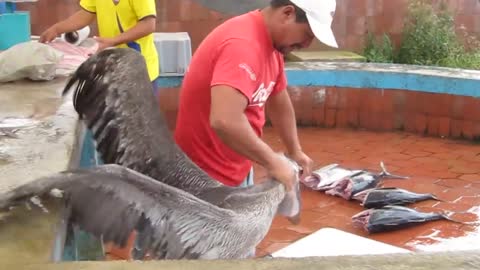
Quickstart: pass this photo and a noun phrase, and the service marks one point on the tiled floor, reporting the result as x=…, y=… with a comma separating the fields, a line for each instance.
x=446, y=168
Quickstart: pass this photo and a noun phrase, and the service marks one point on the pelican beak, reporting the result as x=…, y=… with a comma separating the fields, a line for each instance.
x=295, y=220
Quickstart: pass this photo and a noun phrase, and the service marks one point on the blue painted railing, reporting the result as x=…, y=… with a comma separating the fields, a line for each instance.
x=403, y=77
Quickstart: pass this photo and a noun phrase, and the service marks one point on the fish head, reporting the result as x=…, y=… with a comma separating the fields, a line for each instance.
x=291, y=204
x=362, y=219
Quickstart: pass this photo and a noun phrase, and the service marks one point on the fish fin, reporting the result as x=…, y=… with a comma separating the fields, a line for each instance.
x=434, y=197
x=386, y=174
x=446, y=215
x=452, y=220
x=398, y=207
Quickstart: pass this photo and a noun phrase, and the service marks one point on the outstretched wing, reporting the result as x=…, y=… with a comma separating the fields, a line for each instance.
x=111, y=201
x=114, y=97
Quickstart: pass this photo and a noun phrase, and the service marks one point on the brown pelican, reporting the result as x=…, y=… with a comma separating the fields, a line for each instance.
x=148, y=183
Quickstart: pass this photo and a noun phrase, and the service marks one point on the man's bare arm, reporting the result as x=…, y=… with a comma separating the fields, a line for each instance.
x=228, y=120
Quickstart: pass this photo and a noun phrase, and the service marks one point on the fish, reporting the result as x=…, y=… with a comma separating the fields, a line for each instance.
x=394, y=217
x=379, y=197
x=358, y=182
x=326, y=177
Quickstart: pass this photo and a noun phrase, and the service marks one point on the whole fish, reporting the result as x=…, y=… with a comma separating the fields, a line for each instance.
x=326, y=177
x=379, y=197
x=393, y=217
x=355, y=183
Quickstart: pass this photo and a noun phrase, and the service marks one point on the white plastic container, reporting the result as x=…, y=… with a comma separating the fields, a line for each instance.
x=174, y=52
x=76, y=37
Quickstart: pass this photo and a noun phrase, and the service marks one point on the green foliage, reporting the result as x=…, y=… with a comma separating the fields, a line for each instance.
x=429, y=38
x=379, y=52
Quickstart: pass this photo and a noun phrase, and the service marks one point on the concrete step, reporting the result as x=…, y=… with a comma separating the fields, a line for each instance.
x=324, y=55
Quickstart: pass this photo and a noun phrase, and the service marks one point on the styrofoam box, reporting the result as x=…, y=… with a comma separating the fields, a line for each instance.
x=174, y=52
x=334, y=242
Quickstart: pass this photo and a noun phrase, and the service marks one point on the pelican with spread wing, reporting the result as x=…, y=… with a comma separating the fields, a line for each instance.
x=147, y=183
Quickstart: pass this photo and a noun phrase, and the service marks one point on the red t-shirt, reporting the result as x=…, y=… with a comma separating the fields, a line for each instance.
x=238, y=53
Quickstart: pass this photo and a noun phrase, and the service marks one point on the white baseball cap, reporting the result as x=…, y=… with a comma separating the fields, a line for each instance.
x=320, y=16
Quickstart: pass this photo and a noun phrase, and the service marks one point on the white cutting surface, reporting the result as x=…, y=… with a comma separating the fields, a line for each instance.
x=333, y=242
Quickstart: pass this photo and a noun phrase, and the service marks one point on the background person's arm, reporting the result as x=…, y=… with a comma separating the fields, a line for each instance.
x=75, y=22
x=141, y=29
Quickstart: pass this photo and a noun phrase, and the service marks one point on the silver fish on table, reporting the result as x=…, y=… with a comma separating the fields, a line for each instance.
x=379, y=197
x=394, y=217
x=345, y=183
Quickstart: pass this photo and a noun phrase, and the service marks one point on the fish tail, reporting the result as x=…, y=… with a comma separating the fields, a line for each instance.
x=434, y=197
x=386, y=174
x=447, y=215
x=452, y=220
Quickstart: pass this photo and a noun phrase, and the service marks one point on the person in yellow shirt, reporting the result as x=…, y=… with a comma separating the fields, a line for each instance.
x=121, y=23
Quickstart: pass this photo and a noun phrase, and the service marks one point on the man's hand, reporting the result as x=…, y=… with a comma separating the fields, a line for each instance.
x=49, y=35
x=104, y=43
x=303, y=161
x=281, y=169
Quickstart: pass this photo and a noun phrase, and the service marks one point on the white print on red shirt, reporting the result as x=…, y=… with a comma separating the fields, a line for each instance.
x=260, y=96
x=249, y=70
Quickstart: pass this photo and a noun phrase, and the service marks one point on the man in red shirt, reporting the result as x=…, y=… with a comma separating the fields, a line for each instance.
x=235, y=73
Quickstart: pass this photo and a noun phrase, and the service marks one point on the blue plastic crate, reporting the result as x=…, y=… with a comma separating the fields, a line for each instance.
x=14, y=28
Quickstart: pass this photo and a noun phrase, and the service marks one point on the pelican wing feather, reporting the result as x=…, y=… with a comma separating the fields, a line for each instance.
x=111, y=201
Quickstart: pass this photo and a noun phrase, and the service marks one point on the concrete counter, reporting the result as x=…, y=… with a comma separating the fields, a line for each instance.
x=46, y=134
x=46, y=131
x=425, y=261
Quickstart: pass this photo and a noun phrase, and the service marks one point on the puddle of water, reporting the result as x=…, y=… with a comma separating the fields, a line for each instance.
x=468, y=242
x=27, y=235
x=16, y=122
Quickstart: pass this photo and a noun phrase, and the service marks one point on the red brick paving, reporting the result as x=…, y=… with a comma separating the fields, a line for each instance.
x=449, y=169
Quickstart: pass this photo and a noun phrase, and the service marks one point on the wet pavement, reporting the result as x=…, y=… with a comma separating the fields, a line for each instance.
x=450, y=169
